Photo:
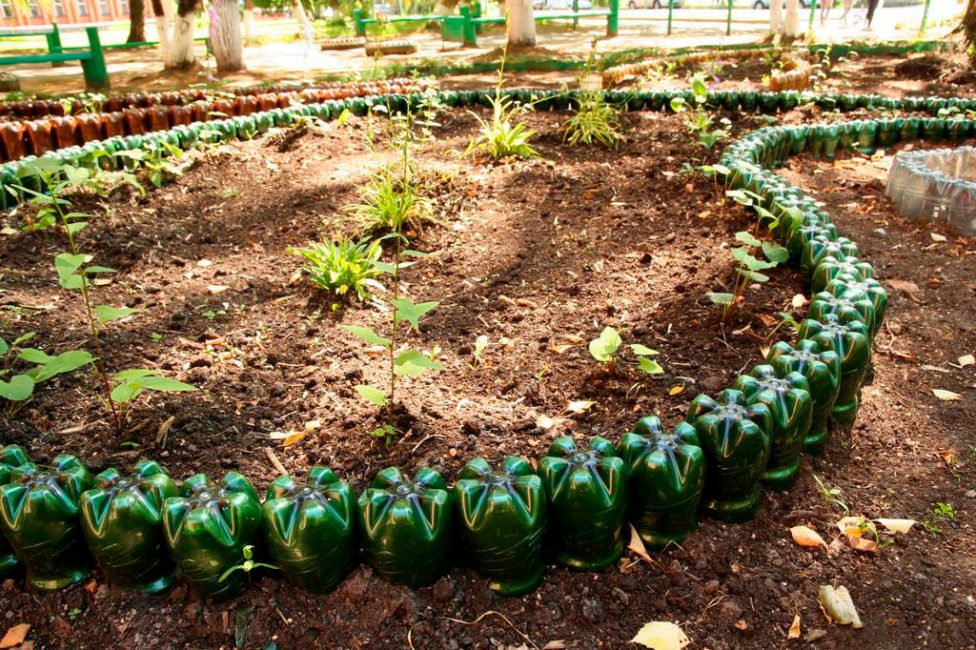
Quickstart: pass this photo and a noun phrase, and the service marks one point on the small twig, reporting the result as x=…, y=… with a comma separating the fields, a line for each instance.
x=500, y=615
x=274, y=461
x=422, y=441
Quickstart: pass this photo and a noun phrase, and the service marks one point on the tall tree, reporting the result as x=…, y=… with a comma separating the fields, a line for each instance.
x=968, y=25
x=521, y=22
x=137, y=21
x=176, y=32
x=225, y=35
x=248, y=19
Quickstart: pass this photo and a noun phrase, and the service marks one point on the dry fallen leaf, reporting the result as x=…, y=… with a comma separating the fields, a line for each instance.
x=661, y=635
x=767, y=320
x=937, y=237
x=794, y=632
x=560, y=349
x=217, y=288
x=863, y=545
x=897, y=525
x=637, y=546
x=544, y=422
x=798, y=301
x=15, y=635
x=204, y=262
x=805, y=536
x=851, y=526
x=580, y=406
x=575, y=340
x=837, y=606
x=909, y=288
x=741, y=625
x=948, y=456
x=967, y=360
x=675, y=390
x=946, y=395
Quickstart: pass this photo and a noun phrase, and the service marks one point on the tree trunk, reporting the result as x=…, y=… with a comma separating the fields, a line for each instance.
x=225, y=35
x=304, y=26
x=181, y=55
x=248, y=20
x=791, y=26
x=161, y=12
x=775, y=17
x=521, y=23
x=137, y=21
x=968, y=26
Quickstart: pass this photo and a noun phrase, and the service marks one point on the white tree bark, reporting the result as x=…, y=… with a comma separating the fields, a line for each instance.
x=248, y=24
x=304, y=27
x=225, y=34
x=521, y=23
x=163, y=12
x=775, y=17
x=181, y=54
x=791, y=27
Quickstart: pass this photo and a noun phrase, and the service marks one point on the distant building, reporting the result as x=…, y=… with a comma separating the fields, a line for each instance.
x=15, y=13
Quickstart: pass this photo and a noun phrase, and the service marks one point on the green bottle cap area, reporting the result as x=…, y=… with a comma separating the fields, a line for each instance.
x=507, y=519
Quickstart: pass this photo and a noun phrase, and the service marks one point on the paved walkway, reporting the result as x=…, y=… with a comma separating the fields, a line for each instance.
x=638, y=29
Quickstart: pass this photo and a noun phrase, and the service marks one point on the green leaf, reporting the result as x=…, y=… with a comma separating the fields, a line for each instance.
x=107, y=313
x=67, y=265
x=643, y=350
x=100, y=269
x=604, y=347
x=412, y=363
x=404, y=310
x=33, y=355
x=775, y=253
x=679, y=105
x=749, y=261
x=343, y=117
x=755, y=276
x=480, y=344
x=367, y=334
x=166, y=385
x=136, y=380
x=18, y=389
x=747, y=238
x=722, y=299
x=374, y=395
x=134, y=373
x=76, y=175
x=4, y=348
x=23, y=338
x=125, y=392
x=649, y=366
x=75, y=228
x=61, y=364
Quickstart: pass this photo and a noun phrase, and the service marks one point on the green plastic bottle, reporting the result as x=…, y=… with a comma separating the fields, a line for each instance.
x=666, y=472
x=822, y=371
x=821, y=246
x=123, y=525
x=849, y=287
x=502, y=518
x=852, y=343
x=587, y=490
x=734, y=436
x=791, y=408
x=408, y=526
x=856, y=307
x=310, y=529
x=207, y=528
x=39, y=517
x=830, y=268
x=11, y=457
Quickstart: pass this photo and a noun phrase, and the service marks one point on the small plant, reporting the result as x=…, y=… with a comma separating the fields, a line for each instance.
x=942, y=514
x=499, y=137
x=750, y=266
x=697, y=120
x=594, y=120
x=831, y=494
x=389, y=203
x=480, y=344
x=604, y=349
x=343, y=267
x=76, y=273
x=17, y=387
x=247, y=565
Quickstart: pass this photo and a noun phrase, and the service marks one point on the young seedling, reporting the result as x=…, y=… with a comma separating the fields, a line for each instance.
x=697, y=120
x=595, y=120
x=480, y=344
x=604, y=349
x=18, y=387
x=77, y=273
x=750, y=265
x=247, y=565
x=343, y=267
x=499, y=137
x=831, y=494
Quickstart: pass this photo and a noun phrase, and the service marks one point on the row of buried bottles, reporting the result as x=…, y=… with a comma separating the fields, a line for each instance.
x=319, y=92
x=936, y=185
x=38, y=136
x=143, y=528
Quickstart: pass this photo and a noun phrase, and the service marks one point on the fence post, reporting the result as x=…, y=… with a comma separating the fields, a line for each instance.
x=575, y=17
x=613, y=20
x=96, y=74
x=728, y=21
x=670, y=14
x=54, y=44
x=357, y=17
x=470, y=36
x=813, y=10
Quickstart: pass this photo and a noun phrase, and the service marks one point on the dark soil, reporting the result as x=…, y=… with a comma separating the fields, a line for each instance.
x=536, y=255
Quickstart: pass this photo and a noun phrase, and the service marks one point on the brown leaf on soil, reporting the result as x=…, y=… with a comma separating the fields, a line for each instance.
x=863, y=545
x=967, y=360
x=806, y=536
x=15, y=635
x=767, y=320
x=741, y=625
x=636, y=545
x=575, y=340
x=561, y=349
x=675, y=390
x=946, y=395
x=794, y=632
x=838, y=607
x=909, y=288
x=897, y=525
x=948, y=456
